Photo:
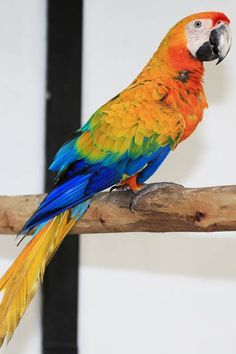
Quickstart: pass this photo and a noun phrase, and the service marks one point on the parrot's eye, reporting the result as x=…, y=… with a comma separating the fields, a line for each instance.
x=197, y=24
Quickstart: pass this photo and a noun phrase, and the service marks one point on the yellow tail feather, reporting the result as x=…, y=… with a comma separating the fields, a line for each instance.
x=20, y=282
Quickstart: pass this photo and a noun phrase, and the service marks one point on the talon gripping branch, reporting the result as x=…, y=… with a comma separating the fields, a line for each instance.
x=124, y=142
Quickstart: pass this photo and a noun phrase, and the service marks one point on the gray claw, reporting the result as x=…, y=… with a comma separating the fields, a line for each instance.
x=121, y=188
x=114, y=188
x=149, y=189
x=132, y=205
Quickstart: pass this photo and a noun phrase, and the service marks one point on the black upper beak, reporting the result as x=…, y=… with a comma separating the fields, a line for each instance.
x=218, y=45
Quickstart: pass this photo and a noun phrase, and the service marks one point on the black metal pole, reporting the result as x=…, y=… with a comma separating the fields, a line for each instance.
x=64, y=56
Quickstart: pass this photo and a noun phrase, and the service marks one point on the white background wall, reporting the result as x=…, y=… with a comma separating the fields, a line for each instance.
x=172, y=293
x=22, y=86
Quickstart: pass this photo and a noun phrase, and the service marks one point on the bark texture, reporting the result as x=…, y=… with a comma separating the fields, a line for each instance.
x=172, y=209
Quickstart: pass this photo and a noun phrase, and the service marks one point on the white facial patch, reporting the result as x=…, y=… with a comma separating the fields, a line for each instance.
x=198, y=33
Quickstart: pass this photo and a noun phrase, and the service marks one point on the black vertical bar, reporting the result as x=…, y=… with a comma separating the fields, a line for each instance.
x=60, y=288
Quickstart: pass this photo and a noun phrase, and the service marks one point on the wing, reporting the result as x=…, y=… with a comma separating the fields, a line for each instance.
x=134, y=131
x=136, y=123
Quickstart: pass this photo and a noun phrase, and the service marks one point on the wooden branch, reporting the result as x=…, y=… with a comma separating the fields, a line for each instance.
x=172, y=209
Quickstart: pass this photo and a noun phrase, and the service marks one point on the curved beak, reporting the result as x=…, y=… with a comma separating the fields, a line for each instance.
x=220, y=41
x=218, y=45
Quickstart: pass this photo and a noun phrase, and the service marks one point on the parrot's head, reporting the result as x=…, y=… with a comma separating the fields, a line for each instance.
x=200, y=37
x=208, y=36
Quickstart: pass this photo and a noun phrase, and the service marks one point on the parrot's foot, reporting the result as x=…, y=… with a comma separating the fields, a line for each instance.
x=130, y=184
x=149, y=188
x=120, y=188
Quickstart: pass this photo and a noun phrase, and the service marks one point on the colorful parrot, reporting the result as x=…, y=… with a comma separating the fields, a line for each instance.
x=123, y=144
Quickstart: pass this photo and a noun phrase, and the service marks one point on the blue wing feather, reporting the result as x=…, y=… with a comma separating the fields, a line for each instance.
x=81, y=180
x=153, y=164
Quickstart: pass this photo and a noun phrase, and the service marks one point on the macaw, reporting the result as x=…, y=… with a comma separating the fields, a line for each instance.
x=123, y=144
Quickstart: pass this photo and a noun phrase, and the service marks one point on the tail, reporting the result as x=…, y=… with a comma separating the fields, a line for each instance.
x=21, y=280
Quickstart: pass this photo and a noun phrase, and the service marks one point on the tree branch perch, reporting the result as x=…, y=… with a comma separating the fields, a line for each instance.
x=173, y=209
